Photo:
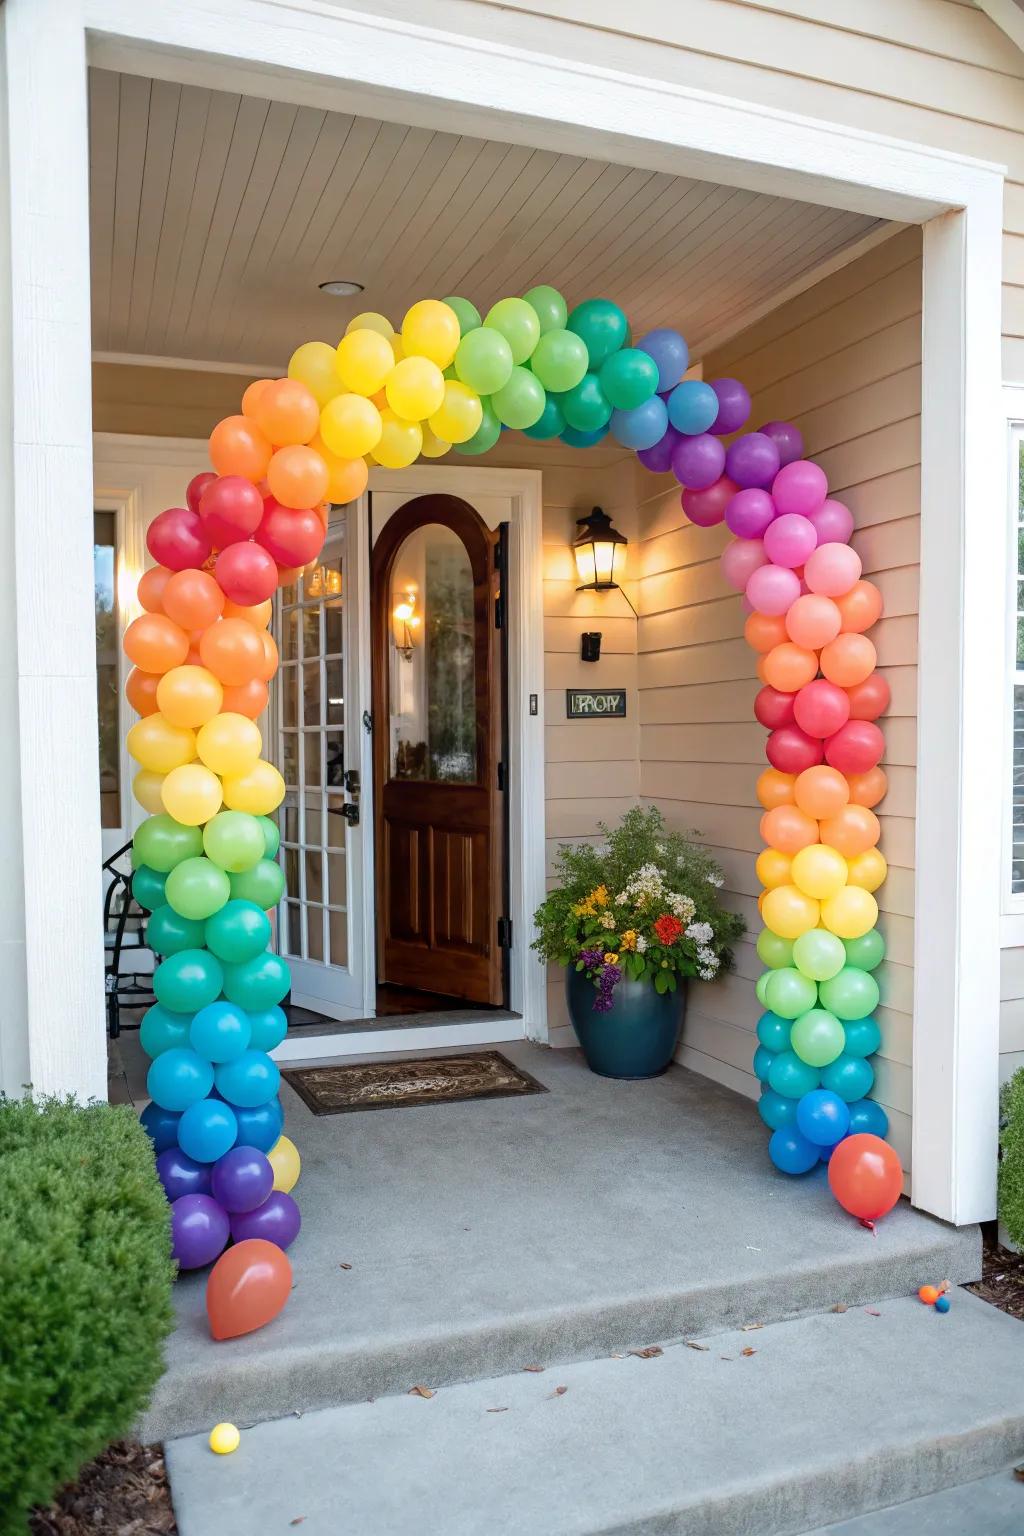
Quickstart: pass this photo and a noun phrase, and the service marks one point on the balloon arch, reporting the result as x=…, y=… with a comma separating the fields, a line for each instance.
x=205, y=858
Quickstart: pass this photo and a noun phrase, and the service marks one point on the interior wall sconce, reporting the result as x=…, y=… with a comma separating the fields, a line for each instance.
x=406, y=622
x=600, y=552
x=322, y=581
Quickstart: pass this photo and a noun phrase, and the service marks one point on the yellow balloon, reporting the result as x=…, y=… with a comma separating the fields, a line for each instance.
x=819, y=871
x=189, y=696
x=370, y=320
x=146, y=788
x=460, y=413
x=158, y=745
x=287, y=1165
x=431, y=329
x=434, y=447
x=315, y=365
x=868, y=869
x=224, y=1438
x=773, y=868
x=229, y=743
x=400, y=442
x=851, y=913
x=397, y=347
x=191, y=794
x=259, y=790
x=788, y=912
x=350, y=425
x=364, y=360
x=415, y=388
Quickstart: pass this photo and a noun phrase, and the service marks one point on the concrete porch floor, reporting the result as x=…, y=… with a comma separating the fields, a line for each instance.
x=485, y=1236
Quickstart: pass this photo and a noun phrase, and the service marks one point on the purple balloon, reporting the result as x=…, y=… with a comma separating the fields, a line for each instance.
x=659, y=458
x=733, y=405
x=749, y=513
x=787, y=438
x=671, y=354
x=698, y=462
x=199, y=1230
x=181, y=1174
x=242, y=1179
x=833, y=522
x=277, y=1220
x=752, y=460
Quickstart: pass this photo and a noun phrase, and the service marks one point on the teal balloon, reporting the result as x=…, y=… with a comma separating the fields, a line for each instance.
x=167, y=932
x=777, y=1111
x=519, y=403
x=849, y=1076
x=792, y=1077
x=763, y=1059
x=162, y=843
x=269, y=1027
x=629, y=378
x=234, y=840
x=819, y=954
x=484, y=360
x=868, y=1118
x=220, y=1032
x=271, y=836
x=259, y=983
x=852, y=994
x=773, y=950
x=577, y=439
x=148, y=887
x=487, y=433
x=162, y=1030
x=603, y=327
x=551, y=422
x=197, y=888
x=863, y=1037
x=263, y=884
x=761, y=985
x=518, y=322
x=467, y=313
x=867, y=952
x=773, y=1032
x=560, y=360
x=550, y=308
x=186, y=982
x=178, y=1078
x=586, y=407
x=789, y=993
x=817, y=1037
x=249, y=1080
x=207, y=1130
x=239, y=931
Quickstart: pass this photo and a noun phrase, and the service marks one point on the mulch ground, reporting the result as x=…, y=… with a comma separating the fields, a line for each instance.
x=123, y=1493
x=1002, y=1279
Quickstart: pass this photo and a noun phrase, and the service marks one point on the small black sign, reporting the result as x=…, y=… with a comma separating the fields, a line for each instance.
x=595, y=703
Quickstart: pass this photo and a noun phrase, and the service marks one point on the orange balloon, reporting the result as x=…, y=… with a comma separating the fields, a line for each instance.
x=821, y=792
x=848, y=660
x=286, y=574
x=860, y=607
x=788, y=829
x=270, y=656
x=189, y=696
x=788, y=667
x=238, y=447
x=853, y=830
x=775, y=788
x=260, y=614
x=759, y=669
x=193, y=599
x=347, y=478
x=249, y=699
x=252, y=394
x=140, y=691
x=151, y=588
x=865, y=1176
x=247, y=1288
x=812, y=621
x=764, y=631
x=286, y=412
x=868, y=788
x=233, y=651
x=297, y=477
x=380, y=399
x=154, y=643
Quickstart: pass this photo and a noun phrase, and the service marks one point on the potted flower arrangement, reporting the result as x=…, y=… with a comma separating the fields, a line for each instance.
x=632, y=919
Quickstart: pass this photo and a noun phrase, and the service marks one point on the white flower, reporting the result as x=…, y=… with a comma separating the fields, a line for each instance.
x=603, y=849
x=641, y=944
x=622, y=898
x=701, y=933
x=659, y=847
x=707, y=958
x=607, y=920
x=682, y=907
x=706, y=975
x=716, y=880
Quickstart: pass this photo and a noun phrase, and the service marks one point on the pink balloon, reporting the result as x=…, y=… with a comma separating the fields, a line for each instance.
x=772, y=588
x=856, y=747
x=177, y=539
x=740, y=559
x=746, y=605
x=789, y=540
x=799, y=487
x=820, y=708
x=707, y=507
x=773, y=709
x=749, y=513
x=791, y=750
x=196, y=486
x=832, y=569
x=833, y=522
x=246, y=573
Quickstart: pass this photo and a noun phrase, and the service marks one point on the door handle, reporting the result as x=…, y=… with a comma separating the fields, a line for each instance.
x=351, y=814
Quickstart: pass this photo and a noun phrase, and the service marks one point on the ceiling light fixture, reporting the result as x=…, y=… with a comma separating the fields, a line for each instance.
x=340, y=287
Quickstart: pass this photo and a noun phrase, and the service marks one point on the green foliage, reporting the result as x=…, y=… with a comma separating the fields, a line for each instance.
x=1011, y=1159
x=85, y=1285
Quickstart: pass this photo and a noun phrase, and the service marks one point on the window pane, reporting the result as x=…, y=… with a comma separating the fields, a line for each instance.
x=108, y=690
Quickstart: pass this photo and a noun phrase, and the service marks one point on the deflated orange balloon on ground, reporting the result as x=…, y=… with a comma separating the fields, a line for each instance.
x=238, y=447
x=848, y=660
x=821, y=791
x=865, y=1176
x=140, y=691
x=193, y=599
x=788, y=667
x=860, y=607
x=297, y=477
x=788, y=829
x=154, y=643
x=233, y=651
x=773, y=868
x=775, y=788
x=249, y=699
x=151, y=588
x=247, y=1288
x=868, y=788
x=286, y=412
x=851, y=830
x=189, y=696
x=764, y=631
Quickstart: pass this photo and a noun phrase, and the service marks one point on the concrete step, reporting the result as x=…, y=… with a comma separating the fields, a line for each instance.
x=987, y=1506
x=830, y=1416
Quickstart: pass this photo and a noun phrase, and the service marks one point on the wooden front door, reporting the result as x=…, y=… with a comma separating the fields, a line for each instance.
x=437, y=707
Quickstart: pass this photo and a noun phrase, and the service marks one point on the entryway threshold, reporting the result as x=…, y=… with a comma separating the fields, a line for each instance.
x=409, y=1032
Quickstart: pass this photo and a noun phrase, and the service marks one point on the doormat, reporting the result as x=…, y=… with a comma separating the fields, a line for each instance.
x=401, y=1084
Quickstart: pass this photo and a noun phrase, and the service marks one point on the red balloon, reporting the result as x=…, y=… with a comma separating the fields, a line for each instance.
x=177, y=539
x=856, y=747
x=820, y=708
x=791, y=750
x=292, y=537
x=707, y=507
x=246, y=573
x=247, y=1288
x=773, y=708
x=870, y=698
x=865, y=1176
x=231, y=508
x=196, y=486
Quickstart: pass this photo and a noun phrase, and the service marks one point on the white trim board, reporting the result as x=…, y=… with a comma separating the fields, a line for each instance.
x=298, y=1046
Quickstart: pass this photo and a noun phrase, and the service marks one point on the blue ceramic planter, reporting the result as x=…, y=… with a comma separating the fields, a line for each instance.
x=637, y=1037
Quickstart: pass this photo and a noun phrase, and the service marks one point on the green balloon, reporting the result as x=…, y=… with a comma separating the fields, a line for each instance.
x=163, y=1031
x=819, y=954
x=792, y=1077
x=197, y=889
x=551, y=309
x=520, y=402
x=468, y=314
x=603, y=327
x=817, y=1037
x=161, y=842
x=550, y=424
x=629, y=378
x=234, y=840
x=867, y=952
x=148, y=887
x=773, y=950
x=761, y=987
x=486, y=434
x=560, y=360
x=852, y=994
x=239, y=931
x=188, y=981
x=587, y=407
x=484, y=360
x=271, y=836
x=518, y=322
x=788, y=993
x=168, y=933
x=263, y=884
x=258, y=983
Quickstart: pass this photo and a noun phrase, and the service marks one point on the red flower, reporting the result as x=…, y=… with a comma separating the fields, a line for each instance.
x=667, y=928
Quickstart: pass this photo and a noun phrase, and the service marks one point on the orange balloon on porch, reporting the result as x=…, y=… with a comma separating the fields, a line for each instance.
x=286, y=412
x=259, y=614
x=233, y=651
x=297, y=477
x=248, y=1286
x=140, y=691
x=865, y=1176
x=868, y=788
x=155, y=643
x=238, y=447
x=193, y=599
x=775, y=788
x=151, y=588
x=764, y=631
x=821, y=791
x=788, y=829
x=852, y=830
x=249, y=699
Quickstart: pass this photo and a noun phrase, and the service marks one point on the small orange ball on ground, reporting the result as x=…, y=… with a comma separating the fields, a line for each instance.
x=929, y=1294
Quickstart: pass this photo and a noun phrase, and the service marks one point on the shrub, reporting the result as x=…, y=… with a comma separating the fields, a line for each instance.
x=1011, y=1157
x=85, y=1283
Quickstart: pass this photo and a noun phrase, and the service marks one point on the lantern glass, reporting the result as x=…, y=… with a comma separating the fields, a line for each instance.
x=600, y=552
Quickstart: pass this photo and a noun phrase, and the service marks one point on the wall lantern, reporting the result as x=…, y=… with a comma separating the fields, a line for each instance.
x=600, y=552
x=406, y=622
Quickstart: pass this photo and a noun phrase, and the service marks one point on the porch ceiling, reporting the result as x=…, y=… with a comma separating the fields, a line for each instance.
x=215, y=216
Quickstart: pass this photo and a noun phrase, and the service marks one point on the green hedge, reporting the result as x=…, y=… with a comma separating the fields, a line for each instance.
x=1011, y=1157
x=85, y=1285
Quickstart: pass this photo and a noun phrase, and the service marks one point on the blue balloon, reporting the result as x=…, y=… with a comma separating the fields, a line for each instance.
x=791, y=1152
x=792, y=1077
x=863, y=1037
x=163, y=1030
x=161, y=1126
x=774, y=1032
x=776, y=1111
x=207, y=1130
x=220, y=1031
x=182, y=1175
x=641, y=427
x=762, y=1063
x=577, y=439
x=671, y=354
x=260, y=1127
x=692, y=407
x=178, y=1078
x=251, y=1079
x=269, y=1028
x=867, y=1117
x=822, y=1117
x=849, y=1076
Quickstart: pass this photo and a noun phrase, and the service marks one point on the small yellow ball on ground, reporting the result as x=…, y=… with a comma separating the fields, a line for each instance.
x=224, y=1438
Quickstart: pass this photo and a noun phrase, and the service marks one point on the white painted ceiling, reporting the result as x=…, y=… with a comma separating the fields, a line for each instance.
x=215, y=216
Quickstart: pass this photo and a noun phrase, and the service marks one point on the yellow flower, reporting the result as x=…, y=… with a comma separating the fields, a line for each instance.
x=600, y=896
x=628, y=940
x=611, y=959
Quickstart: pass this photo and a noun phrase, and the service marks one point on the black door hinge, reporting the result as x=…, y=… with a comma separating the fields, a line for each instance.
x=504, y=933
x=501, y=776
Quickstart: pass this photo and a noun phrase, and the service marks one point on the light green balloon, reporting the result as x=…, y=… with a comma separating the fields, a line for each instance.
x=819, y=954
x=560, y=360
x=518, y=322
x=867, y=952
x=520, y=402
x=852, y=994
x=484, y=361
x=817, y=1037
x=468, y=314
x=271, y=835
x=486, y=434
x=789, y=993
x=773, y=950
x=552, y=310
x=263, y=884
x=234, y=840
x=760, y=988
x=196, y=888
x=161, y=842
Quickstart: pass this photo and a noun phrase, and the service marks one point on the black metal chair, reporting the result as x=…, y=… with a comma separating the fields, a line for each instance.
x=123, y=930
